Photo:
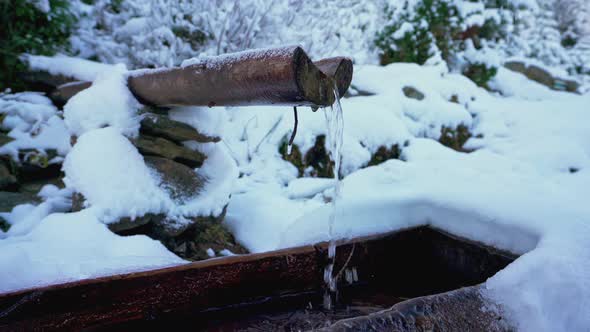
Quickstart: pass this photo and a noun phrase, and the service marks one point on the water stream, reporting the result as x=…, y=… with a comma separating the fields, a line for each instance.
x=335, y=124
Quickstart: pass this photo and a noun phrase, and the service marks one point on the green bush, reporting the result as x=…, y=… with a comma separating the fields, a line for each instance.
x=436, y=25
x=480, y=73
x=434, y=22
x=26, y=29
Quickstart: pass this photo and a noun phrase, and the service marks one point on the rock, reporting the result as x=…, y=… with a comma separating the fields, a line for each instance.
x=411, y=92
x=37, y=158
x=383, y=154
x=464, y=309
x=77, y=202
x=516, y=66
x=180, y=181
x=162, y=126
x=5, y=139
x=36, y=166
x=542, y=76
x=157, y=146
x=33, y=187
x=8, y=200
x=7, y=179
x=211, y=233
x=190, y=241
x=455, y=138
x=354, y=91
x=126, y=224
x=4, y=225
x=39, y=80
x=315, y=163
x=181, y=249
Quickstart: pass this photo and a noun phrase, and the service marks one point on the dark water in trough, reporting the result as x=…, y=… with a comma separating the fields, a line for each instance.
x=389, y=269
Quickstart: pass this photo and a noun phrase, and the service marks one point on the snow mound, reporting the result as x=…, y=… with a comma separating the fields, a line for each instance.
x=107, y=169
x=74, y=246
x=107, y=102
x=33, y=122
x=80, y=69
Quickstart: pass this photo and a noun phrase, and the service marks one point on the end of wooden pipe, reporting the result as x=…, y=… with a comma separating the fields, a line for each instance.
x=340, y=69
x=316, y=88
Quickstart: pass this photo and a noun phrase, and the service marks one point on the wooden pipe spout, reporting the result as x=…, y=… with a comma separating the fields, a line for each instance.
x=340, y=69
x=281, y=76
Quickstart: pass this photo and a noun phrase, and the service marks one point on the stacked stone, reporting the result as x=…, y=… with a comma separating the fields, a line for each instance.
x=21, y=180
x=160, y=141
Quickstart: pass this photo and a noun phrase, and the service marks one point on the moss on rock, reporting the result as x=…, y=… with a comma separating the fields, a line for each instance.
x=4, y=225
x=383, y=154
x=455, y=138
x=315, y=163
x=191, y=242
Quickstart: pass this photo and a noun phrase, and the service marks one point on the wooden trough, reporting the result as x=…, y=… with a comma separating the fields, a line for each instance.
x=246, y=291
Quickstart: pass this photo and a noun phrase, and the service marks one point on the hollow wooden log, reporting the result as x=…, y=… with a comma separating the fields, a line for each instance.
x=254, y=78
x=284, y=76
x=64, y=92
x=340, y=69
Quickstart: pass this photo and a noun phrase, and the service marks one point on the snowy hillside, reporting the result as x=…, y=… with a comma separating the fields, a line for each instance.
x=504, y=161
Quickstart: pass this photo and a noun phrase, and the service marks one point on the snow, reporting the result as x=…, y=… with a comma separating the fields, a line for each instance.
x=472, y=12
x=107, y=102
x=23, y=218
x=523, y=189
x=33, y=122
x=80, y=69
x=224, y=60
x=406, y=27
x=47, y=254
x=43, y=5
x=107, y=169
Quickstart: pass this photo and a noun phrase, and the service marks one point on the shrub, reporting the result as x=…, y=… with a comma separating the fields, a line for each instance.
x=24, y=28
x=419, y=30
x=415, y=33
x=480, y=73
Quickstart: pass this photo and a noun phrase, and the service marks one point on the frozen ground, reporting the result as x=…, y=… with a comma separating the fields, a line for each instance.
x=524, y=188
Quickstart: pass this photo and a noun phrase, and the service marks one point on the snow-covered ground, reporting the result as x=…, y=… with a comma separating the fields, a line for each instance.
x=524, y=188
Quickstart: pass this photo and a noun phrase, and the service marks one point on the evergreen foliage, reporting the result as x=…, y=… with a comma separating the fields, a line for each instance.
x=430, y=23
x=25, y=28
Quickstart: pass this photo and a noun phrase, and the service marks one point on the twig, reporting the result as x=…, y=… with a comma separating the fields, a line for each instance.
x=294, y=126
x=346, y=263
x=23, y=300
x=272, y=129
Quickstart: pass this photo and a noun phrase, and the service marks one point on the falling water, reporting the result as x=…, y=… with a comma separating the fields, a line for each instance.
x=335, y=123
